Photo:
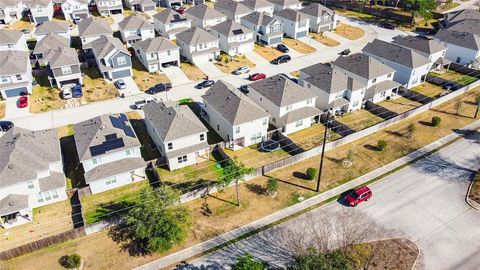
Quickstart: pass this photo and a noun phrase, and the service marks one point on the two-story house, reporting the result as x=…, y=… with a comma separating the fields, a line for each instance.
x=169, y=3
x=205, y=17
x=109, y=152
x=10, y=10
x=178, y=134
x=135, y=28
x=47, y=43
x=295, y=24
x=168, y=23
x=112, y=58
x=291, y=106
x=141, y=5
x=336, y=91
x=233, y=9
x=261, y=6
x=63, y=66
x=31, y=174
x=234, y=38
x=411, y=67
x=40, y=10
x=75, y=10
x=377, y=77
x=198, y=46
x=321, y=18
x=109, y=7
x=429, y=48
x=12, y=40
x=266, y=29
x=16, y=76
x=233, y=116
x=53, y=27
x=155, y=53
x=286, y=4
x=92, y=28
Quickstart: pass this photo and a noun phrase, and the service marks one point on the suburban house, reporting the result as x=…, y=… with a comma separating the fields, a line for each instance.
x=10, y=10
x=31, y=171
x=169, y=3
x=411, y=67
x=198, y=46
x=168, y=23
x=429, y=48
x=63, y=66
x=261, y=6
x=234, y=38
x=286, y=4
x=60, y=28
x=12, y=40
x=156, y=52
x=460, y=15
x=141, y=5
x=233, y=116
x=335, y=90
x=179, y=135
x=92, y=28
x=295, y=23
x=377, y=77
x=47, y=43
x=112, y=58
x=75, y=10
x=321, y=18
x=109, y=152
x=40, y=10
x=233, y=9
x=135, y=28
x=205, y=17
x=16, y=77
x=291, y=106
x=109, y=7
x=266, y=29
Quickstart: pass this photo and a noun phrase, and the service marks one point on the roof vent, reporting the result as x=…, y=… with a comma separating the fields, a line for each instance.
x=11, y=203
x=10, y=166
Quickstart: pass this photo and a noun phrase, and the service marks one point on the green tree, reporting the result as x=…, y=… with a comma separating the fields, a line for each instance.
x=159, y=220
x=411, y=130
x=423, y=8
x=315, y=260
x=311, y=173
x=436, y=121
x=246, y=262
x=70, y=261
x=272, y=185
x=382, y=145
x=233, y=171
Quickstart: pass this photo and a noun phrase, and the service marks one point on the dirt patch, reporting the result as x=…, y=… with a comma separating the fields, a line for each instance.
x=429, y=89
x=298, y=46
x=143, y=78
x=44, y=97
x=311, y=137
x=3, y=108
x=95, y=88
x=192, y=71
x=475, y=190
x=360, y=119
x=24, y=23
x=349, y=32
x=227, y=63
x=400, y=105
x=266, y=52
x=324, y=39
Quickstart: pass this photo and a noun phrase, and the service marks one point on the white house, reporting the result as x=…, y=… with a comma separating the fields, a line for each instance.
x=462, y=41
x=75, y=10
x=286, y=4
x=60, y=28
x=154, y=53
x=291, y=106
x=168, y=23
x=411, y=67
x=376, y=76
x=266, y=29
x=40, y=10
x=92, y=28
x=12, y=40
x=16, y=76
x=135, y=28
x=109, y=152
x=261, y=6
x=321, y=18
x=169, y=3
x=234, y=38
x=295, y=23
x=31, y=173
x=177, y=132
x=205, y=17
x=233, y=116
x=233, y=9
x=109, y=7
x=141, y=5
x=429, y=48
x=198, y=46
x=10, y=11
x=335, y=90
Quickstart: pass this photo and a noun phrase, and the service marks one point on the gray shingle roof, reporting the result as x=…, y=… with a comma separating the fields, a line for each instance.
x=9, y=3
x=363, y=65
x=93, y=26
x=300, y=114
x=114, y=168
x=187, y=150
x=257, y=18
x=232, y=7
x=92, y=132
x=13, y=203
x=330, y=80
x=55, y=27
x=461, y=39
x=157, y=44
x=55, y=180
x=204, y=13
x=24, y=153
x=18, y=62
x=316, y=10
x=135, y=22
x=231, y=104
x=9, y=36
x=468, y=26
x=257, y=4
x=169, y=15
x=196, y=35
x=428, y=46
x=61, y=56
x=50, y=41
x=37, y=3
x=292, y=15
x=463, y=14
x=230, y=28
x=281, y=91
x=396, y=53
x=172, y=121
x=382, y=86
x=103, y=45
x=284, y=2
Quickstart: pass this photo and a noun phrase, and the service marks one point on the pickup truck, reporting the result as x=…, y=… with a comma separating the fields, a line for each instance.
x=139, y=104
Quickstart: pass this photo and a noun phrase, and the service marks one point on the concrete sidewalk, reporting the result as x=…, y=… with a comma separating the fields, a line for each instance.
x=195, y=250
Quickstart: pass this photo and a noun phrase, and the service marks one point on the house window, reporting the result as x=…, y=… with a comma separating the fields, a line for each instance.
x=152, y=55
x=170, y=146
x=10, y=46
x=54, y=194
x=355, y=104
x=299, y=123
x=257, y=137
x=127, y=152
x=264, y=122
x=4, y=79
x=39, y=198
x=111, y=180
x=122, y=60
x=237, y=129
x=218, y=127
x=182, y=159
x=19, y=77
x=169, y=53
x=30, y=184
x=288, y=108
x=66, y=70
x=202, y=137
x=309, y=101
x=374, y=80
x=459, y=59
x=96, y=161
x=46, y=196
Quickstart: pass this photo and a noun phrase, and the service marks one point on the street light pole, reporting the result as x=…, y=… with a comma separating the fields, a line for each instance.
x=319, y=176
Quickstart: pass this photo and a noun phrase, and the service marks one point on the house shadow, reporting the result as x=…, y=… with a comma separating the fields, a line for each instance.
x=188, y=186
x=256, y=188
x=72, y=166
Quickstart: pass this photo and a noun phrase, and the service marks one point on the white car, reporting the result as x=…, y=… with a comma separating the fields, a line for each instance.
x=66, y=92
x=120, y=84
x=139, y=104
x=241, y=70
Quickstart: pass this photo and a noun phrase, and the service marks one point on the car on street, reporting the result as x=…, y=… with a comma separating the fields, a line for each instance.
x=345, y=52
x=257, y=76
x=141, y=103
x=160, y=87
x=387, y=25
x=281, y=59
x=5, y=126
x=283, y=48
x=120, y=84
x=241, y=70
x=244, y=89
x=205, y=84
x=358, y=195
x=23, y=102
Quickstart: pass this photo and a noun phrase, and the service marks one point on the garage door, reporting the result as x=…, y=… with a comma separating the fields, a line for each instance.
x=276, y=40
x=15, y=92
x=302, y=34
x=148, y=8
x=121, y=74
x=41, y=19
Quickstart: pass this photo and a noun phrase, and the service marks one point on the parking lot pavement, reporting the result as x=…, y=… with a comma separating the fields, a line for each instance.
x=210, y=70
x=131, y=89
x=13, y=111
x=176, y=75
x=257, y=59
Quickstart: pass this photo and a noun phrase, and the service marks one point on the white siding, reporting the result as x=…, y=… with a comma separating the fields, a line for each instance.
x=118, y=180
x=111, y=157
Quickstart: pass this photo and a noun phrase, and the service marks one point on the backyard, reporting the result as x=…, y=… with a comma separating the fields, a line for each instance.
x=95, y=87
x=192, y=71
x=252, y=157
x=429, y=89
x=349, y=32
x=453, y=76
x=400, y=105
x=19, y=25
x=298, y=45
x=44, y=97
x=360, y=119
x=312, y=137
x=145, y=79
x=227, y=63
x=324, y=39
x=267, y=52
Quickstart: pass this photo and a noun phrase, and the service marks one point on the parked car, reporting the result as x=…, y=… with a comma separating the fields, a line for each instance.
x=244, y=89
x=283, y=48
x=358, y=195
x=160, y=87
x=77, y=91
x=281, y=59
x=5, y=126
x=66, y=93
x=241, y=70
x=205, y=84
x=141, y=103
x=23, y=102
x=387, y=25
x=120, y=84
x=345, y=52
x=257, y=76
x=25, y=31
x=179, y=9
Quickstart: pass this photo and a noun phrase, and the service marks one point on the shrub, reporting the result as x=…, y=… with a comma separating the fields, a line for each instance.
x=311, y=173
x=436, y=121
x=246, y=262
x=382, y=145
x=70, y=261
x=411, y=130
x=272, y=185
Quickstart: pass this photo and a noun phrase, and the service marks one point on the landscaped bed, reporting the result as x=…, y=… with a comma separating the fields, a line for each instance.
x=400, y=105
x=360, y=119
x=298, y=45
x=311, y=137
x=192, y=71
x=267, y=52
x=324, y=39
x=349, y=32
x=44, y=97
x=475, y=190
x=252, y=157
x=227, y=64
x=96, y=88
x=143, y=78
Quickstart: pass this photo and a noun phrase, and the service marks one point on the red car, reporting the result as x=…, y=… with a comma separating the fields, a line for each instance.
x=23, y=102
x=358, y=195
x=257, y=77
x=179, y=9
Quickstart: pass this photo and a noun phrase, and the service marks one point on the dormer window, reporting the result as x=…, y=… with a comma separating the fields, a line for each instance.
x=170, y=146
x=202, y=137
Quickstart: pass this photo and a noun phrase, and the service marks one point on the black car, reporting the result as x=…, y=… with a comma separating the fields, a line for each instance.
x=281, y=47
x=281, y=59
x=387, y=26
x=345, y=52
x=205, y=84
x=244, y=89
x=5, y=126
x=158, y=88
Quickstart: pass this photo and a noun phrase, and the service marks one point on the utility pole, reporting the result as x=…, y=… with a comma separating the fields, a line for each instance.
x=319, y=176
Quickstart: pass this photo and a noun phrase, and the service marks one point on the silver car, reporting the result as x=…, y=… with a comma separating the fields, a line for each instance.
x=241, y=70
x=120, y=84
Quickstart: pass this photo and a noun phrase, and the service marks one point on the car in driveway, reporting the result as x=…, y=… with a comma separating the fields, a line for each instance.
x=281, y=59
x=283, y=48
x=244, y=89
x=23, y=102
x=358, y=195
x=387, y=25
x=160, y=87
x=241, y=70
x=120, y=84
x=205, y=84
x=5, y=126
x=257, y=76
x=179, y=9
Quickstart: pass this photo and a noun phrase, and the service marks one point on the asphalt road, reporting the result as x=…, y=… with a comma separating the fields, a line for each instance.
x=424, y=202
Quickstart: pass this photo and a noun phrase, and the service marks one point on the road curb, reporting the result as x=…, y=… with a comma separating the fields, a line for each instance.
x=469, y=201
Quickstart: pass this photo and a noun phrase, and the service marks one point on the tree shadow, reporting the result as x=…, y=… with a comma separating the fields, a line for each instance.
x=394, y=133
x=446, y=169
x=188, y=186
x=111, y=212
x=425, y=123
x=335, y=160
x=124, y=235
x=207, y=266
x=256, y=188
x=371, y=147
x=221, y=199
x=300, y=175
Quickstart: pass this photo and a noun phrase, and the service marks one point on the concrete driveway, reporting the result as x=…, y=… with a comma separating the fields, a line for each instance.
x=131, y=89
x=176, y=75
x=210, y=70
x=116, y=18
x=257, y=59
